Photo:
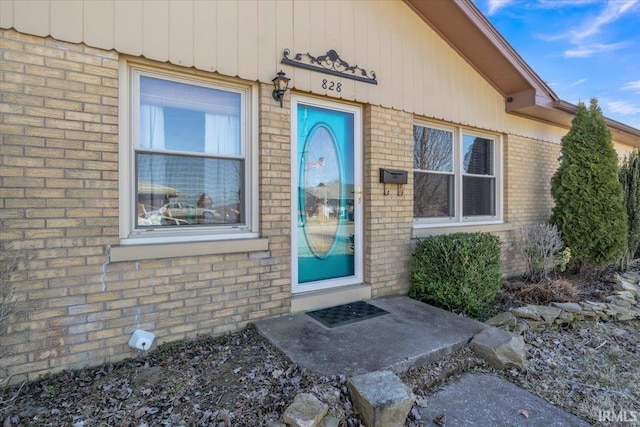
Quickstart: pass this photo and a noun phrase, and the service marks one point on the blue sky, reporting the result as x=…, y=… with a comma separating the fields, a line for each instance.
x=580, y=48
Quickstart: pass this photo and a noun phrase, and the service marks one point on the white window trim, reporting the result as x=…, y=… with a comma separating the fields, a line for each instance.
x=127, y=232
x=459, y=220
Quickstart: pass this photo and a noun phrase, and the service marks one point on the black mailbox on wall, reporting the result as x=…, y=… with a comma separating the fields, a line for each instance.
x=393, y=176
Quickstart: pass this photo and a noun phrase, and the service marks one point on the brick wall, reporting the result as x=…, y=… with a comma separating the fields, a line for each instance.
x=388, y=143
x=528, y=168
x=59, y=199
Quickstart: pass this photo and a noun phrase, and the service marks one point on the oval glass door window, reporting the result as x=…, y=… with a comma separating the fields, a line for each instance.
x=322, y=191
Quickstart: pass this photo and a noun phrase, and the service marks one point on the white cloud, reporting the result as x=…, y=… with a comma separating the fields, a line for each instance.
x=495, y=5
x=623, y=107
x=555, y=4
x=586, y=38
x=632, y=86
x=577, y=82
x=589, y=49
x=612, y=12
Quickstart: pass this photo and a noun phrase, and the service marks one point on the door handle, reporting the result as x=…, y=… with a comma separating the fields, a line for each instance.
x=359, y=193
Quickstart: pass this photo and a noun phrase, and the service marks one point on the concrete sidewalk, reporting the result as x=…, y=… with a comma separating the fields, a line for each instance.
x=487, y=400
x=413, y=333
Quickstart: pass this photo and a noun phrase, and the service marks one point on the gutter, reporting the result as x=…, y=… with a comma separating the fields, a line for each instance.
x=570, y=108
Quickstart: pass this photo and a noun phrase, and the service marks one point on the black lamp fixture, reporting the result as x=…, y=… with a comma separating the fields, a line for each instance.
x=280, y=83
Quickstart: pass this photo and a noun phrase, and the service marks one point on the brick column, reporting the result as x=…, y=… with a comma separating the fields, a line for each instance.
x=388, y=143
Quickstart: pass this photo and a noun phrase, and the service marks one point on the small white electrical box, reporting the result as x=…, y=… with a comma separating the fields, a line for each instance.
x=141, y=340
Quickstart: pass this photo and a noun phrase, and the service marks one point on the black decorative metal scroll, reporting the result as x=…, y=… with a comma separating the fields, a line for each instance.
x=330, y=63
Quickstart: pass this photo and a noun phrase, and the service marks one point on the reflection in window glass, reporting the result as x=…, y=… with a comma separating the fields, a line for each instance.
x=182, y=190
x=190, y=162
x=478, y=196
x=433, y=172
x=179, y=116
x=432, y=149
x=477, y=155
x=435, y=195
x=454, y=176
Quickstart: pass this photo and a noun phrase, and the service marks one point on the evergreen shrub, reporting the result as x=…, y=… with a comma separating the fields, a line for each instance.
x=458, y=272
x=589, y=210
x=629, y=176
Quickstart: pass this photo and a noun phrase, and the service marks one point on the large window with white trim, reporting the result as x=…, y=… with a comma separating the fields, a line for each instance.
x=456, y=175
x=189, y=156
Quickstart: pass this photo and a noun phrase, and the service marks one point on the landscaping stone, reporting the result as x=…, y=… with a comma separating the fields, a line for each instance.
x=617, y=300
x=632, y=276
x=330, y=422
x=591, y=315
x=624, y=284
x=619, y=306
x=502, y=319
x=305, y=411
x=626, y=295
x=500, y=348
x=381, y=399
x=519, y=329
x=593, y=306
x=548, y=314
x=614, y=310
x=526, y=312
x=571, y=307
x=565, y=317
x=628, y=315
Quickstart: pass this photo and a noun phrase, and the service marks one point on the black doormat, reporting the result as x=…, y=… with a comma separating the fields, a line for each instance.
x=346, y=313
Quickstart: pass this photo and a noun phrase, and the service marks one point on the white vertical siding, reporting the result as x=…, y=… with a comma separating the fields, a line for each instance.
x=67, y=20
x=127, y=27
x=248, y=39
x=98, y=24
x=181, y=37
x=347, y=45
x=205, y=36
x=227, y=38
x=417, y=71
x=155, y=29
x=32, y=17
x=6, y=14
x=267, y=47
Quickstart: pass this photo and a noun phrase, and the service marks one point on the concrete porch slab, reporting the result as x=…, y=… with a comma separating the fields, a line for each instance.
x=413, y=333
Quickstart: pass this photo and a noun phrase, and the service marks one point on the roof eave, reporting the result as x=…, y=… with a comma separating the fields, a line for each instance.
x=613, y=124
x=463, y=26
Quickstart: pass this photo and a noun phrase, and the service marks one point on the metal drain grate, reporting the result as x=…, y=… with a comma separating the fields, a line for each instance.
x=346, y=313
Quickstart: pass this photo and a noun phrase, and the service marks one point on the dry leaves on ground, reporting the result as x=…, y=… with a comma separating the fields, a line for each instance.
x=241, y=380
x=234, y=380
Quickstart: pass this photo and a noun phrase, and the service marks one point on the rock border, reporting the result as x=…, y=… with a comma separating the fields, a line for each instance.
x=622, y=305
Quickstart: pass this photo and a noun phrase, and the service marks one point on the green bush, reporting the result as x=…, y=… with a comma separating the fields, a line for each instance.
x=459, y=272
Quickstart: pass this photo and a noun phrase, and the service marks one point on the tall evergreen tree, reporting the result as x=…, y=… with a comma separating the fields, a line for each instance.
x=589, y=209
x=629, y=176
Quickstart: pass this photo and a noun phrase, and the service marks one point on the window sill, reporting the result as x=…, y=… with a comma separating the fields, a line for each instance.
x=420, y=231
x=174, y=250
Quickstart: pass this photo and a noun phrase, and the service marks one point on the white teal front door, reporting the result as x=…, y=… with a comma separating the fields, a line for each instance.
x=326, y=195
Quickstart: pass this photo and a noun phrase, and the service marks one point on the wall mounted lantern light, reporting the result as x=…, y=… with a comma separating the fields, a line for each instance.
x=280, y=83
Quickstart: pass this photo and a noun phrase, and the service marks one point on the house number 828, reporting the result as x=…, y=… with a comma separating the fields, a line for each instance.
x=331, y=85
